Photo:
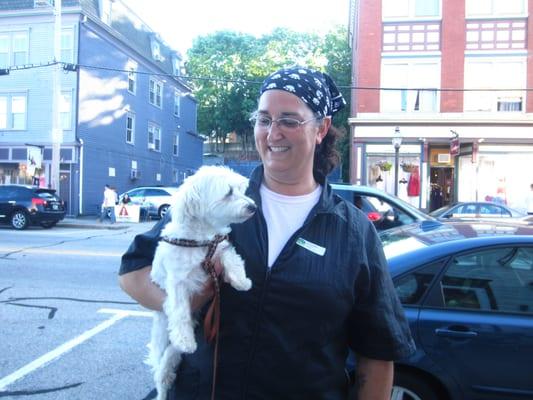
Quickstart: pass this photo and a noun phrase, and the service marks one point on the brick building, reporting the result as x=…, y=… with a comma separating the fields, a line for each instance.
x=450, y=78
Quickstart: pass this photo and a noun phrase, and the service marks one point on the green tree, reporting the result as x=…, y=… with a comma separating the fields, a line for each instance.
x=226, y=69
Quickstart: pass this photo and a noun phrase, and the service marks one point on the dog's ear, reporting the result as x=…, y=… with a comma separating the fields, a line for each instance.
x=192, y=202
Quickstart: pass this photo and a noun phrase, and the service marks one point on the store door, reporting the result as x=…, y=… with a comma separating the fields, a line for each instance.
x=441, y=192
x=64, y=190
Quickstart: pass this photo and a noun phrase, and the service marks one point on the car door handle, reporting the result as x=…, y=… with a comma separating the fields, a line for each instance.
x=455, y=332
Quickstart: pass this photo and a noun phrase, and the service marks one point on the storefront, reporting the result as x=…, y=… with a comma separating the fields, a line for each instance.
x=500, y=173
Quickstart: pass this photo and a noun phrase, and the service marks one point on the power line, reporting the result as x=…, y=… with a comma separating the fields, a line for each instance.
x=74, y=67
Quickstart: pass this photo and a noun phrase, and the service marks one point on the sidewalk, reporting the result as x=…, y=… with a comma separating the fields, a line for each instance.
x=91, y=222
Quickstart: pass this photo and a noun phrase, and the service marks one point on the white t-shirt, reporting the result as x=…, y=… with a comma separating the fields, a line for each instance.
x=284, y=215
x=110, y=198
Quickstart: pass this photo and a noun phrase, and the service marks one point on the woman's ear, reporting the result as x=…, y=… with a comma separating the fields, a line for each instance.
x=323, y=130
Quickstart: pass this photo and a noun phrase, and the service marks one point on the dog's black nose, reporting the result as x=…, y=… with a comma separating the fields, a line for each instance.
x=251, y=208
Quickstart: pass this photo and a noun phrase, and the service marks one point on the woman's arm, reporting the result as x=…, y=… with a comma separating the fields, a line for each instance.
x=140, y=287
x=374, y=379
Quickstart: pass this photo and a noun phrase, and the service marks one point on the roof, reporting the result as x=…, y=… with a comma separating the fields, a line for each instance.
x=428, y=240
x=127, y=25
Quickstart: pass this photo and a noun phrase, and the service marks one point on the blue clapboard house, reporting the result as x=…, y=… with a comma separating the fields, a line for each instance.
x=128, y=117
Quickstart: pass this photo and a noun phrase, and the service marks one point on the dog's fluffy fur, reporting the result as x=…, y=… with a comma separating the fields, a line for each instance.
x=204, y=206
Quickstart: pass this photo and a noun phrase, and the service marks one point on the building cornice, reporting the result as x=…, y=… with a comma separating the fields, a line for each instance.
x=442, y=119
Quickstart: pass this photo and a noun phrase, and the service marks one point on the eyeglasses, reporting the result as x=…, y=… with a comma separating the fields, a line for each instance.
x=285, y=123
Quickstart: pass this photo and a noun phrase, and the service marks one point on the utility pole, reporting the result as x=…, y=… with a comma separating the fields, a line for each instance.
x=57, y=131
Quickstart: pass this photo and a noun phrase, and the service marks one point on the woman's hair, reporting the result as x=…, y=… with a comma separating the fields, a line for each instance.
x=326, y=155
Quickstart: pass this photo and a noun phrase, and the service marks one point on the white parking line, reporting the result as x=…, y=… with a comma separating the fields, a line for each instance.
x=64, y=348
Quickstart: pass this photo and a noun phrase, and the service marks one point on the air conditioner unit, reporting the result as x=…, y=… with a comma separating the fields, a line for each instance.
x=444, y=158
x=134, y=174
x=151, y=146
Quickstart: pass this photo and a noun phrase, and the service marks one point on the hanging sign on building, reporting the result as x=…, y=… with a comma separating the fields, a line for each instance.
x=454, y=147
x=34, y=160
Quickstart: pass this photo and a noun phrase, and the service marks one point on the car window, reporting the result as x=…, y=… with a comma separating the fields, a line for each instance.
x=491, y=280
x=490, y=209
x=12, y=192
x=391, y=216
x=412, y=287
x=46, y=195
x=464, y=209
x=155, y=192
x=136, y=193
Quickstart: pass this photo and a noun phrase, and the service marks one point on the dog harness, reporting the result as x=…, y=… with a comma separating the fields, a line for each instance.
x=212, y=317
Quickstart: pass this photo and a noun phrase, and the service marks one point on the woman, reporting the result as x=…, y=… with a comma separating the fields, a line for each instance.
x=320, y=283
x=125, y=199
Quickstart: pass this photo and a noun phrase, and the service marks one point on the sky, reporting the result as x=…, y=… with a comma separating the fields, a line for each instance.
x=179, y=21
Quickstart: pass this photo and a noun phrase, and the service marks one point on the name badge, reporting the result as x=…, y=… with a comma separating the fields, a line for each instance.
x=313, y=248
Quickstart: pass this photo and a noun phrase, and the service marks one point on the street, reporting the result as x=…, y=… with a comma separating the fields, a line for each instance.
x=68, y=331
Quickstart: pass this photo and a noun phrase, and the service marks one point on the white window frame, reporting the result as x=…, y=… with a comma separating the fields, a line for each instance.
x=154, y=137
x=10, y=50
x=7, y=115
x=106, y=11
x=65, y=109
x=131, y=67
x=177, y=103
x=130, y=116
x=176, y=145
x=494, y=8
x=155, y=98
x=67, y=45
x=411, y=11
x=493, y=98
x=411, y=83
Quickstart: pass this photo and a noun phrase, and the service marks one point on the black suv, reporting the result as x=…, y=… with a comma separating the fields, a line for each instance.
x=21, y=205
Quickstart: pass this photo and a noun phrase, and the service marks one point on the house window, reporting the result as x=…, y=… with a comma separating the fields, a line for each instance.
x=13, y=111
x=480, y=74
x=496, y=34
x=156, y=49
x=154, y=137
x=156, y=92
x=416, y=82
x=130, y=127
x=488, y=8
x=411, y=37
x=410, y=8
x=67, y=45
x=177, y=101
x=65, y=110
x=176, y=145
x=14, y=48
x=132, y=76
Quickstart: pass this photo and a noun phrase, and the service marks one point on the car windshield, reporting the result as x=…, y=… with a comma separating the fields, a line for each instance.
x=439, y=211
x=46, y=195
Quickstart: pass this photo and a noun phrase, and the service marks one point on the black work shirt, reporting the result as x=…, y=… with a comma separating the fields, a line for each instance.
x=288, y=336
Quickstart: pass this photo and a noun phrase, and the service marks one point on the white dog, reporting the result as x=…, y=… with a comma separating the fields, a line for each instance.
x=203, y=207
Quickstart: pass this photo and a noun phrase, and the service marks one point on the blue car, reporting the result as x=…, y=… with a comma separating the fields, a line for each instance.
x=467, y=290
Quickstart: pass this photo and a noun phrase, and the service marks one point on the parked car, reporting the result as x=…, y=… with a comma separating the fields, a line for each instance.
x=384, y=210
x=475, y=210
x=467, y=291
x=155, y=198
x=22, y=205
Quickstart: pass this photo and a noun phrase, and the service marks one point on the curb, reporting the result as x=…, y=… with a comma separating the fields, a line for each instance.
x=91, y=226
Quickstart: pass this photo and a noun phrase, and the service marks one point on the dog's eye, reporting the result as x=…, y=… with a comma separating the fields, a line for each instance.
x=230, y=192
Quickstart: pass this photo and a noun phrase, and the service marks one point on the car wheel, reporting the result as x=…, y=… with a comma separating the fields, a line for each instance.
x=411, y=387
x=48, y=224
x=20, y=220
x=163, y=210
